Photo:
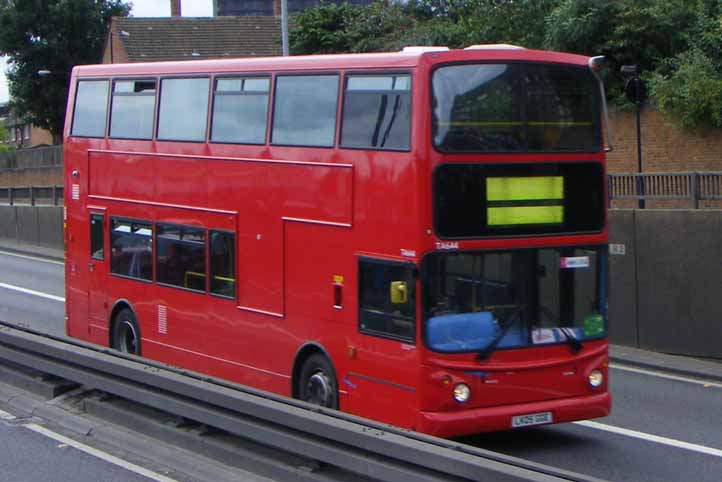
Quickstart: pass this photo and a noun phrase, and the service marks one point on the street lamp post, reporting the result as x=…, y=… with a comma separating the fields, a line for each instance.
x=636, y=92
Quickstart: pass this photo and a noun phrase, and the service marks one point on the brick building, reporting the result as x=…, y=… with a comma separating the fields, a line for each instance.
x=20, y=133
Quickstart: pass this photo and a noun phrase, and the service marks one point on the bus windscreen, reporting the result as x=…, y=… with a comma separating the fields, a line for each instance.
x=515, y=107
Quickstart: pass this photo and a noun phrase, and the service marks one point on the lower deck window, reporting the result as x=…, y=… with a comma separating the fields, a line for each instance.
x=181, y=259
x=131, y=248
x=222, y=263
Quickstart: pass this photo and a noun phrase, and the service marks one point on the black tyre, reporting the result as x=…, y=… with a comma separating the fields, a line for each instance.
x=126, y=335
x=317, y=382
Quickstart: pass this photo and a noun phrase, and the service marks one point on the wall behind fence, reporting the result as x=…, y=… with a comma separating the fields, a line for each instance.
x=41, y=225
x=666, y=290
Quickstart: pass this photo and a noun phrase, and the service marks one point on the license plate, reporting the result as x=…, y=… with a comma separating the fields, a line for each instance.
x=531, y=419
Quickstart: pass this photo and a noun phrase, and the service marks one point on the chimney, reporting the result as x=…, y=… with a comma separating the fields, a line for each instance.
x=175, y=8
x=276, y=8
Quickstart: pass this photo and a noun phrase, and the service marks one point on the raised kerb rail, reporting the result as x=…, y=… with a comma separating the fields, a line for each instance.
x=360, y=447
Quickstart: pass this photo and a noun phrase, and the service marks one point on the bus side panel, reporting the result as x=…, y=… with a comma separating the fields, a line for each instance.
x=376, y=377
x=77, y=237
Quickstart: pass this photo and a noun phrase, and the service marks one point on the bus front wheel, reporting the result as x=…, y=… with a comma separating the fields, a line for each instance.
x=126, y=336
x=317, y=382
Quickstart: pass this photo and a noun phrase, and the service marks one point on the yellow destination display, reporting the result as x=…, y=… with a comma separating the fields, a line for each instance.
x=513, y=201
x=525, y=188
x=525, y=215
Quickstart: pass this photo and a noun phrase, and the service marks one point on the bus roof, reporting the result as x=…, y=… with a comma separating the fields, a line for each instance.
x=409, y=58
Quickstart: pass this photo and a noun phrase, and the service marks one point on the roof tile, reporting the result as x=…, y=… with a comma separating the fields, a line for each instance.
x=186, y=38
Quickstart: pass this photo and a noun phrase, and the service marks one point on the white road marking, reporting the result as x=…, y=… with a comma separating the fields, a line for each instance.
x=32, y=292
x=667, y=376
x=34, y=258
x=99, y=454
x=652, y=438
x=6, y=416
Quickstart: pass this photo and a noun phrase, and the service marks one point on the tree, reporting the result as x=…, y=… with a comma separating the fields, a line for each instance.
x=677, y=44
x=52, y=35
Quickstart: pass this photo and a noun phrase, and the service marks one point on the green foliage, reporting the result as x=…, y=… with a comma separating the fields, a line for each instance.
x=677, y=44
x=514, y=22
x=4, y=135
x=691, y=91
x=52, y=35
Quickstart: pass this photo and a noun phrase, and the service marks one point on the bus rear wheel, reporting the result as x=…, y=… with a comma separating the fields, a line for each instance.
x=317, y=382
x=126, y=336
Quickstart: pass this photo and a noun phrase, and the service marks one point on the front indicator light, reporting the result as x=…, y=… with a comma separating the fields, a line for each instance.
x=595, y=379
x=461, y=392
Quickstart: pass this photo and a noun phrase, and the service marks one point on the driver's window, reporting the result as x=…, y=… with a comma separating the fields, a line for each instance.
x=387, y=305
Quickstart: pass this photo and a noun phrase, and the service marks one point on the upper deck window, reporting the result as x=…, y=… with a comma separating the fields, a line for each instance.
x=515, y=108
x=376, y=112
x=305, y=110
x=91, y=105
x=183, y=109
x=131, y=115
x=240, y=110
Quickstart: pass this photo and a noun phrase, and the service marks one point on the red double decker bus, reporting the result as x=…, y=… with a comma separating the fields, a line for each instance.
x=415, y=237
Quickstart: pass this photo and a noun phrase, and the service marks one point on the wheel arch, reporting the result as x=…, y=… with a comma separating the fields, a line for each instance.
x=117, y=307
x=302, y=354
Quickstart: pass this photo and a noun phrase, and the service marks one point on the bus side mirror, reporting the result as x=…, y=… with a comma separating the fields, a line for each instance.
x=399, y=292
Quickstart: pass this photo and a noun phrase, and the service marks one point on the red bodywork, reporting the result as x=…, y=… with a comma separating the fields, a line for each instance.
x=302, y=217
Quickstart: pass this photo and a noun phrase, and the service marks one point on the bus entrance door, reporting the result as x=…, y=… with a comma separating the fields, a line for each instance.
x=97, y=278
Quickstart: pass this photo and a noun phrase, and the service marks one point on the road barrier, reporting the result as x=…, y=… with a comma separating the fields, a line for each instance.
x=358, y=446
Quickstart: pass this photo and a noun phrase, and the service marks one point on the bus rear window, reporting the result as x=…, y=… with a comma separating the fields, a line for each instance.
x=477, y=200
x=515, y=108
x=91, y=105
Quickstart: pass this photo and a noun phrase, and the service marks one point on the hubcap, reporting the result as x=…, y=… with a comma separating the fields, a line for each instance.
x=318, y=390
x=128, y=340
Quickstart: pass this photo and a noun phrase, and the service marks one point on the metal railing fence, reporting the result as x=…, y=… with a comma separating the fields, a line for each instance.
x=32, y=195
x=693, y=186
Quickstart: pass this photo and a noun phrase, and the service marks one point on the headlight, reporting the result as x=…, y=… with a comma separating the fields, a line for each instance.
x=461, y=392
x=595, y=378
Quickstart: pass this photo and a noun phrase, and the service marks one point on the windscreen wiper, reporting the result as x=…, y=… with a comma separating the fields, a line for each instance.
x=572, y=340
x=484, y=354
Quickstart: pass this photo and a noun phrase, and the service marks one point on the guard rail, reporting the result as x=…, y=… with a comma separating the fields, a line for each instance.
x=361, y=447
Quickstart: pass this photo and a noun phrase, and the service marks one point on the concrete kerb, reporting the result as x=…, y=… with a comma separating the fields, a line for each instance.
x=705, y=370
x=12, y=246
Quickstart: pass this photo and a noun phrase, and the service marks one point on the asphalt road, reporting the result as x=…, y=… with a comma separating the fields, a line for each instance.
x=21, y=449
x=661, y=429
